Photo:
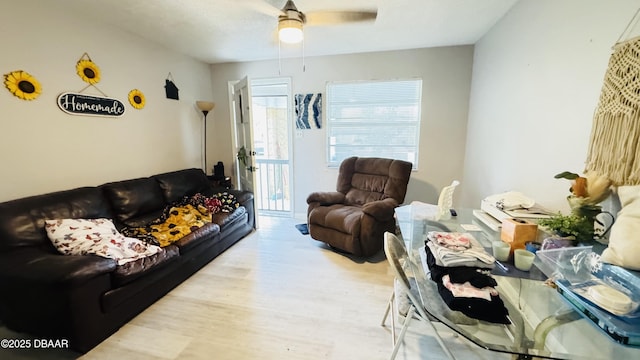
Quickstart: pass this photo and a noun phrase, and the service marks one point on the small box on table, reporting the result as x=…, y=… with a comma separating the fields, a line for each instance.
x=517, y=232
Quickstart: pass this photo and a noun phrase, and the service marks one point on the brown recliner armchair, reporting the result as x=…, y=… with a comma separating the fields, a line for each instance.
x=354, y=218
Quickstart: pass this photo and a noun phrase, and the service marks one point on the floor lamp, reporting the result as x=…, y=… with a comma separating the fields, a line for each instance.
x=205, y=107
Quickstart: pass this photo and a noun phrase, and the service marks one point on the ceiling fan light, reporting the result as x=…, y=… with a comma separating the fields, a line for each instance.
x=290, y=31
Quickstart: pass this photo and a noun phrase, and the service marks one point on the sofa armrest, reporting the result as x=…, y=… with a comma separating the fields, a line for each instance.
x=34, y=266
x=381, y=210
x=245, y=198
x=326, y=198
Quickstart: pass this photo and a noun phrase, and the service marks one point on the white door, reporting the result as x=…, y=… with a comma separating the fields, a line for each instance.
x=243, y=131
x=272, y=111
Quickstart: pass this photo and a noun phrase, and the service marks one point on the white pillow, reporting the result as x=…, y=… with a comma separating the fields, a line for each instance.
x=96, y=236
x=624, y=239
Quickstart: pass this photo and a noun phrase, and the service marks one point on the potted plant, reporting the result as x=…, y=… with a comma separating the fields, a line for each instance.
x=573, y=226
x=585, y=195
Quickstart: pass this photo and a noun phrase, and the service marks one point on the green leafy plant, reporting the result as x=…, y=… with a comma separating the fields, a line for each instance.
x=579, y=227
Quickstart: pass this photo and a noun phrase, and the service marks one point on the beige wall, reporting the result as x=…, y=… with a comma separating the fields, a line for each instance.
x=537, y=77
x=43, y=149
x=446, y=75
x=536, y=80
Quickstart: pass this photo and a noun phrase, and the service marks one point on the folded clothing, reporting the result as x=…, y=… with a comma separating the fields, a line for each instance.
x=451, y=240
x=455, y=254
x=468, y=289
x=477, y=277
x=488, y=310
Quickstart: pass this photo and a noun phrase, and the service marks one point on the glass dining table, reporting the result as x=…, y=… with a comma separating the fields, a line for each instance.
x=543, y=324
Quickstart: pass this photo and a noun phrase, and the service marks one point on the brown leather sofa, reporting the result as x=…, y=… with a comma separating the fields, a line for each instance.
x=85, y=298
x=354, y=218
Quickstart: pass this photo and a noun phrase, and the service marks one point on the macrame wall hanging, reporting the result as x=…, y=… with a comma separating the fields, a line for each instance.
x=614, y=150
x=613, y=147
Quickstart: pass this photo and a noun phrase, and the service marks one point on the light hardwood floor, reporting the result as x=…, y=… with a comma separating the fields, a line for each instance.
x=276, y=294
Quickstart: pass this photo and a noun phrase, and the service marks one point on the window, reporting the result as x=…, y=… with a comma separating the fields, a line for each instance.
x=373, y=119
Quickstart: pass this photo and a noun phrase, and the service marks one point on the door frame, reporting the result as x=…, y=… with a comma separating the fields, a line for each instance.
x=290, y=135
x=290, y=132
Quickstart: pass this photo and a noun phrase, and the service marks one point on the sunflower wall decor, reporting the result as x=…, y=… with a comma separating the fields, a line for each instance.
x=88, y=71
x=136, y=99
x=79, y=103
x=22, y=85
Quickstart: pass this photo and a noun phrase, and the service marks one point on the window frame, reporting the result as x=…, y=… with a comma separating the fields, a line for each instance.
x=331, y=124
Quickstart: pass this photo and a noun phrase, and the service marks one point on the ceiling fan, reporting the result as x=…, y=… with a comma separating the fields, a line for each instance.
x=291, y=20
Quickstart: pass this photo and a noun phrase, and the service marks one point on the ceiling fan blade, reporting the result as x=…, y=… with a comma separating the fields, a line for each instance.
x=339, y=17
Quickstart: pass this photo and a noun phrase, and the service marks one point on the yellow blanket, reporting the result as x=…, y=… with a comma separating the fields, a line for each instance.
x=182, y=220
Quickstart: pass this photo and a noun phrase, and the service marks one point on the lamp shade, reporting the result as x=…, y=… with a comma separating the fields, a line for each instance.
x=205, y=105
x=290, y=31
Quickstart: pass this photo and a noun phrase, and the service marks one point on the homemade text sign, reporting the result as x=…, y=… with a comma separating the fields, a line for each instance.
x=81, y=104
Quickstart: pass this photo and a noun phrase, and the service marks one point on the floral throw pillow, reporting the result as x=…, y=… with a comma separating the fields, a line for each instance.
x=98, y=237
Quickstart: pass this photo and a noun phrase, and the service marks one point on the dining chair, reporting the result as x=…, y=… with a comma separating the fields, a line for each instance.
x=400, y=304
x=398, y=259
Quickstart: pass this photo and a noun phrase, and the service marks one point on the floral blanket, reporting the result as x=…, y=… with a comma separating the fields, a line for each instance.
x=98, y=237
x=182, y=218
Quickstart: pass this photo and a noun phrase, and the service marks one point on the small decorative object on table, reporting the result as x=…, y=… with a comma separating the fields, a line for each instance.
x=517, y=232
x=586, y=193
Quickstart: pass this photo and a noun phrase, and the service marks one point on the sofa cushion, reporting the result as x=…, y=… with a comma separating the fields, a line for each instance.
x=344, y=219
x=224, y=219
x=144, y=220
x=22, y=220
x=177, y=184
x=134, y=198
x=371, y=179
x=132, y=270
x=96, y=237
x=206, y=233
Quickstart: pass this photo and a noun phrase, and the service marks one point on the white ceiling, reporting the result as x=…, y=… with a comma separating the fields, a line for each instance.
x=217, y=31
